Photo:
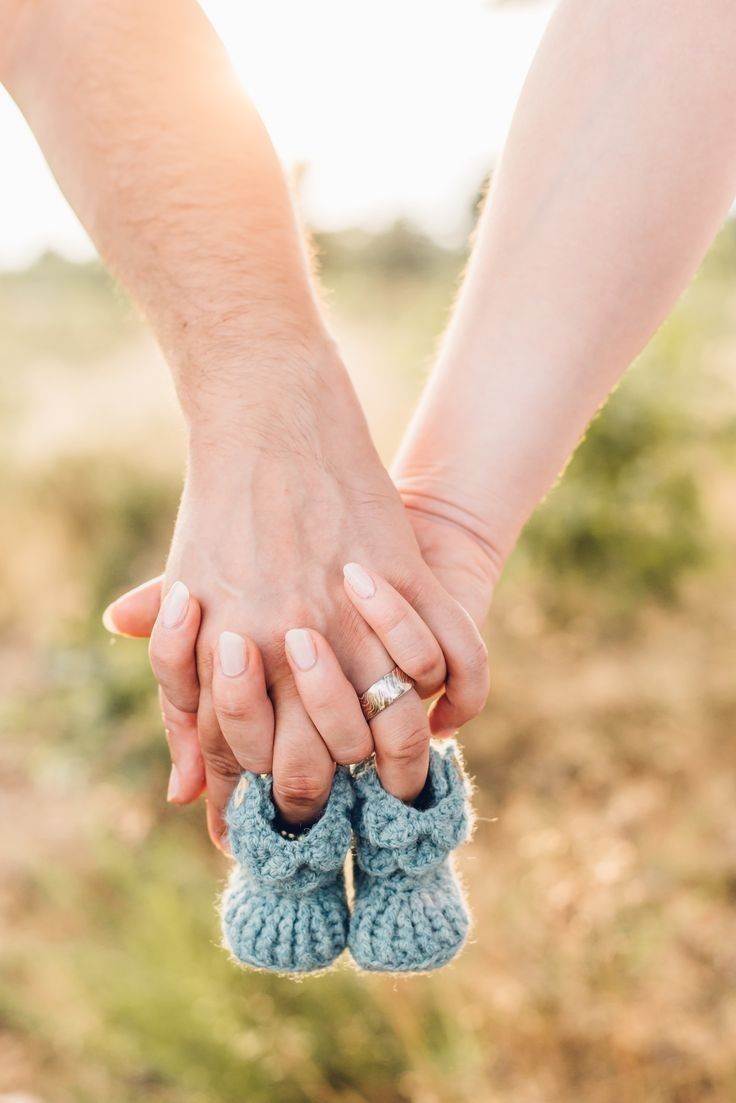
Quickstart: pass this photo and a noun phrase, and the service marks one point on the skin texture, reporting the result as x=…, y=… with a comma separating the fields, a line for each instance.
x=170, y=169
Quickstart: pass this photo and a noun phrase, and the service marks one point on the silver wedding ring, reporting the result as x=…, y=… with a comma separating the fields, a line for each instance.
x=384, y=692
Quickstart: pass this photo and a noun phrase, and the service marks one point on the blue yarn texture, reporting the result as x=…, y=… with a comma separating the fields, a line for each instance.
x=409, y=913
x=284, y=908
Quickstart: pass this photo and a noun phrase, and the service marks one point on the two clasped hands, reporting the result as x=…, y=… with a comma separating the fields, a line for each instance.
x=297, y=578
x=619, y=168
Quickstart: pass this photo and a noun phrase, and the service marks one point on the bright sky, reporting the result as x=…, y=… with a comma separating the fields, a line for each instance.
x=399, y=107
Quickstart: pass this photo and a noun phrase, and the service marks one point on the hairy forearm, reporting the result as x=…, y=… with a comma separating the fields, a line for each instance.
x=171, y=171
x=619, y=168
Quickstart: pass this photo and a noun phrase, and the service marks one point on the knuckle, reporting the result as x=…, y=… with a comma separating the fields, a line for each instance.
x=473, y=702
x=412, y=584
x=466, y=712
x=216, y=752
x=179, y=705
x=355, y=751
x=427, y=664
x=300, y=790
x=220, y=762
x=410, y=745
x=325, y=698
x=395, y=619
x=230, y=711
x=321, y=700
x=257, y=763
x=184, y=700
x=167, y=663
x=253, y=749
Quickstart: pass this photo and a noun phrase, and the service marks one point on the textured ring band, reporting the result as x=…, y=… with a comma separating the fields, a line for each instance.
x=384, y=692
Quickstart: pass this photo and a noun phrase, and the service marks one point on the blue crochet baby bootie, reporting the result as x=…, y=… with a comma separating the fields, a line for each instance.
x=409, y=914
x=284, y=908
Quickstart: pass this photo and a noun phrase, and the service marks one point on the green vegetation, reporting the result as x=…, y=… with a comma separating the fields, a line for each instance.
x=602, y=876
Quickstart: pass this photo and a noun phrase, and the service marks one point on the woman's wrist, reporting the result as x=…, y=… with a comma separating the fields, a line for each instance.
x=449, y=497
x=455, y=537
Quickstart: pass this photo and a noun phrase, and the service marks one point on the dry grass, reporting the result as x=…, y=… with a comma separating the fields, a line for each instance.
x=602, y=875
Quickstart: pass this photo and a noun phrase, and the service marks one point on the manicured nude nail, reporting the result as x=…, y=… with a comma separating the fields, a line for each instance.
x=233, y=657
x=359, y=580
x=174, y=784
x=108, y=621
x=300, y=645
x=175, y=606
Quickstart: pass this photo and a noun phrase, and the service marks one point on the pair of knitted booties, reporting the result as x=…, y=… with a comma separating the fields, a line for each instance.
x=285, y=908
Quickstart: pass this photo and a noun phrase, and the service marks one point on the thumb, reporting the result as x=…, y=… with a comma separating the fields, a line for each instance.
x=134, y=613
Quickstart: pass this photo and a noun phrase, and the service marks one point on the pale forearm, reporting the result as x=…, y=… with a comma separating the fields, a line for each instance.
x=170, y=169
x=620, y=166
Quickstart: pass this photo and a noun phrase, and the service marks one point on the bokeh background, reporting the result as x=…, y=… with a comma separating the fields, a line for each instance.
x=603, y=871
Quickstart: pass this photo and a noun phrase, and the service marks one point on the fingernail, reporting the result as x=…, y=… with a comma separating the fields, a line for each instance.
x=173, y=790
x=359, y=580
x=107, y=620
x=175, y=606
x=233, y=656
x=300, y=645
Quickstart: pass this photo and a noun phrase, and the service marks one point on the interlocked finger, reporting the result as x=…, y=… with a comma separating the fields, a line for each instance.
x=399, y=734
x=221, y=768
x=242, y=706
x=328, y=696
x=401, y=738
x=303, y=768
x=398, y=626
x=171, y=648
x=186, y=781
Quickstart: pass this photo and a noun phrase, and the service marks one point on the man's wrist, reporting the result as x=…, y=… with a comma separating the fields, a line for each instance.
x=292, y=397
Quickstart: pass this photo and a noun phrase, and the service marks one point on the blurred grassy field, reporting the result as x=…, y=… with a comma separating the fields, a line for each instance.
x=603, y=871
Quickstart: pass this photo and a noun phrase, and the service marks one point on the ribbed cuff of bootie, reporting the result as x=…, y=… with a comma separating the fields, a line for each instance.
x=392, y=835
x=276, y=859
x=409, y=914
x=285, y=908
